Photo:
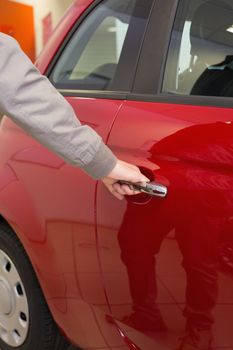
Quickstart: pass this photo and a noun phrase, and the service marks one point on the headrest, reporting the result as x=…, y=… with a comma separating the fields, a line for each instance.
x=210, y=23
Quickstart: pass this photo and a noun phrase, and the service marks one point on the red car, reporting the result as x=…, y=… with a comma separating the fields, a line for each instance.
x=152, y=272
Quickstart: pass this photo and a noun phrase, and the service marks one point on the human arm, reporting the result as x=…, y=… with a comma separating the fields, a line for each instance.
x=35, y=105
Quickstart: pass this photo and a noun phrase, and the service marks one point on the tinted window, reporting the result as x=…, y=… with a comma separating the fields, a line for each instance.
x=200, y=59
x=100, y=45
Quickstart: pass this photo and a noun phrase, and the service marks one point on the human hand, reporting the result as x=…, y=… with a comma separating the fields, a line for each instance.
x=124, y=171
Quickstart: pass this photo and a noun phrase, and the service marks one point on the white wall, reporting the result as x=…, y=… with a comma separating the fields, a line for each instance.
x=43, y=8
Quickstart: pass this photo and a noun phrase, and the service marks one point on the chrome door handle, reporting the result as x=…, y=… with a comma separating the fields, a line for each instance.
x=152, y=188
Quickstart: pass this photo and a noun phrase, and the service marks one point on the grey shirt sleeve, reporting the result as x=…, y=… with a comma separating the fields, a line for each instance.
x=35, y=105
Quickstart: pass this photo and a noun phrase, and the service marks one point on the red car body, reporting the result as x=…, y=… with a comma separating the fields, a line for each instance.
x=90, y=251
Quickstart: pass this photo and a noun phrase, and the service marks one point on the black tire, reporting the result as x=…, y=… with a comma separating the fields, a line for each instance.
x=41, y=332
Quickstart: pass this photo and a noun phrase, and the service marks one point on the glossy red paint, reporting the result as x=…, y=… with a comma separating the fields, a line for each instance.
x=189, y=149
x=59, y=238
x=108, y=268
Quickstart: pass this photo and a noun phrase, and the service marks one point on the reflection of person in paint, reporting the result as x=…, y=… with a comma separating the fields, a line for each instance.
x=198, y=206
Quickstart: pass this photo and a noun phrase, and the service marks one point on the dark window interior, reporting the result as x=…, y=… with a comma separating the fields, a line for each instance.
x=200, y=58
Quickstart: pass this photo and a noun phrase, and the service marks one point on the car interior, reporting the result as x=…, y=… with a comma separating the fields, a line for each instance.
x=202, y=63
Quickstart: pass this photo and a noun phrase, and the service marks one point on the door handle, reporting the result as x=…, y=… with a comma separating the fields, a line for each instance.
x=153, y=188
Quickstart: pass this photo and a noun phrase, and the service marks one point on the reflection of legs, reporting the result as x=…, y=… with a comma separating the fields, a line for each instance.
x=198, y=242
x=139, y=243
x=201, y=295
x=142, y=281
x=143, y=288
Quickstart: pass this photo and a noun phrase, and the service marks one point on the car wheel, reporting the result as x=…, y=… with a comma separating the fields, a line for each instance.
x=25, y=320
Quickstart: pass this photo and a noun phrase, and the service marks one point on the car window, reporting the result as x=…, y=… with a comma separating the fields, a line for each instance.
x=200, y=58
x=90, y=60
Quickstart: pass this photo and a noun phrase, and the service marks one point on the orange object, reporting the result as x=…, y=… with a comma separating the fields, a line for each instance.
x=17, y=20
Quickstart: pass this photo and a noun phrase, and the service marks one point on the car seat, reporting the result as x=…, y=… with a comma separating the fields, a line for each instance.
x=210, y=44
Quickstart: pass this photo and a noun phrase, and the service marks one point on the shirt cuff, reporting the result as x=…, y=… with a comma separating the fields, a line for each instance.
x=102, y=164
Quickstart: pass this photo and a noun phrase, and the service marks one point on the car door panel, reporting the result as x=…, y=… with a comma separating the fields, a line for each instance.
x=184, y=239
x=99, y=114
x=63, y=230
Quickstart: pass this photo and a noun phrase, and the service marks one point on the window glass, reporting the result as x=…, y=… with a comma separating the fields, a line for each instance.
x=90, y=60
x=200, y=58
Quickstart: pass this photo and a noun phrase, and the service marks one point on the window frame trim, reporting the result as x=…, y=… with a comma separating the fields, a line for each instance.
x=112, y=95
x=193, y=100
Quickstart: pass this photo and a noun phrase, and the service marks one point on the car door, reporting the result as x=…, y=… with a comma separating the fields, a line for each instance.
x=88, y=70
x=167, y=261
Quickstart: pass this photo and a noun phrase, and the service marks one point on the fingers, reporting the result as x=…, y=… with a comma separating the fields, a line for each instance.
x=139, y=177
x=124, y=171
x=128, y=172
x=117, y=195
x=116, y=192
x=119, y=191
x=124, y=189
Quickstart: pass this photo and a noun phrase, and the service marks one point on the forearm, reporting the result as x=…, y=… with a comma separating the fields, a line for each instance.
x=34, y=104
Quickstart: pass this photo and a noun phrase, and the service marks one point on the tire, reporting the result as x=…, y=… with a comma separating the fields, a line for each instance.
x=25, y=320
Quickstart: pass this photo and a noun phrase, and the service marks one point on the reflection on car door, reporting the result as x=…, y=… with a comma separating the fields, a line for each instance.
x=164, y=257
x=167, y=262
